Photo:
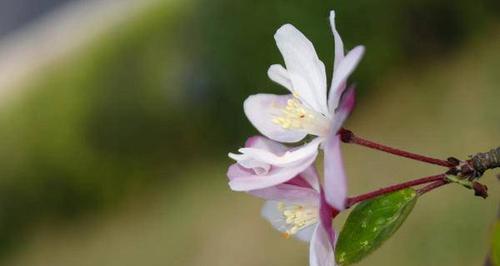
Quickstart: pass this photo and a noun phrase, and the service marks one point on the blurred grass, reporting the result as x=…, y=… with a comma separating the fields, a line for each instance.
x=93, y=127
x=448, y=107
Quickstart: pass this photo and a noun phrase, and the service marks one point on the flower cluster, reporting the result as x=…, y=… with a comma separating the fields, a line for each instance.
x=298, y=204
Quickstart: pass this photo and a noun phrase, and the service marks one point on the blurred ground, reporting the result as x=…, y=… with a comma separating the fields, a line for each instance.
x=116, y=154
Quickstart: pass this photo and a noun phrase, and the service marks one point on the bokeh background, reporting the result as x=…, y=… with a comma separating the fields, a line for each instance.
x=116, y=118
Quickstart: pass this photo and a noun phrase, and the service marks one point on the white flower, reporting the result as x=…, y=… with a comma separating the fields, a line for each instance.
x=289, y=118
x=306, y=111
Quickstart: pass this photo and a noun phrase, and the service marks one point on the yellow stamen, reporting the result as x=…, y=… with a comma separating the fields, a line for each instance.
x=297, y=217
x=299, y=117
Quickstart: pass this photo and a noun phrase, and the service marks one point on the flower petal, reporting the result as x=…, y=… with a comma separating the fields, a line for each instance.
x=287, y=193
x=290, y=157
x=264, y=143
x=300, y=181
x=305, y=234
x=261, y=109
x=244, y=180
x=340, y=75
x=250, y=163
x=305, y=70
x=311, y=176
x=321, y=250
x=235, y=171
x=307, y=179
x=339, y=45
x=347, y=103
x=335, y=178
x=278, y=74
x=327, y=213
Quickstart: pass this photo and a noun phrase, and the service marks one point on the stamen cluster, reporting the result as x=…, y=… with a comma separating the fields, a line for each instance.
x=297, y=217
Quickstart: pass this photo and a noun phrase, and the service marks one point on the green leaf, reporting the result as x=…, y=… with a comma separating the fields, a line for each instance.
x=371, y=223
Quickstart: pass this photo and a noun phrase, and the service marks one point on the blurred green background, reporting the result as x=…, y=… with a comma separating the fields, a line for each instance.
x=116, y=153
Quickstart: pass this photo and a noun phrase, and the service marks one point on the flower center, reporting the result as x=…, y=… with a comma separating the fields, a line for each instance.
x=297, y=116
x=297, y=217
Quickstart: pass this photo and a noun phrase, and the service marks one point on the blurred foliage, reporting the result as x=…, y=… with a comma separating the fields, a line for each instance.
x=237, y=45
x=94, y=126
x=164, y=91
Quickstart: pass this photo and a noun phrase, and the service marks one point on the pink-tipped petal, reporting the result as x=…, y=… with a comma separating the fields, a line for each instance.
x=265, y=163
x=335, y=178
x=311, y=176
x=296, y=190
x=347, y=103
x=304, y=68
x=321, y=252
x=289, y=158
x=237, y=171
x=277, y=175
x=340, y=75
x=326, y=215
x=339, y=45
x=262, y=109
x=300, y=181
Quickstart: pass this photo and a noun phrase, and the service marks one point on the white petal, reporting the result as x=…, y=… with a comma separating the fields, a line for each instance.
x=261, y=109
x=340, y=75
x=263, y=143
x=320, y=249
x=249, y=162
x=290, y=158
x=335, y=178
x=246, y=181
x=278, y=74
x=271, y=212
x=339, y=45
x=306, y=233
x=305, y=70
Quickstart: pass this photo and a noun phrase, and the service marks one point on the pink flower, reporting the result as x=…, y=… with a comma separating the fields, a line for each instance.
x=264, y=163
x=306, y=111
x=297, y=206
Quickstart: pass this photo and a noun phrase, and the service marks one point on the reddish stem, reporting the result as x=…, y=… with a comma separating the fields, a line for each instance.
x=348, y=137
x=386, y=190
x=432, y=186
